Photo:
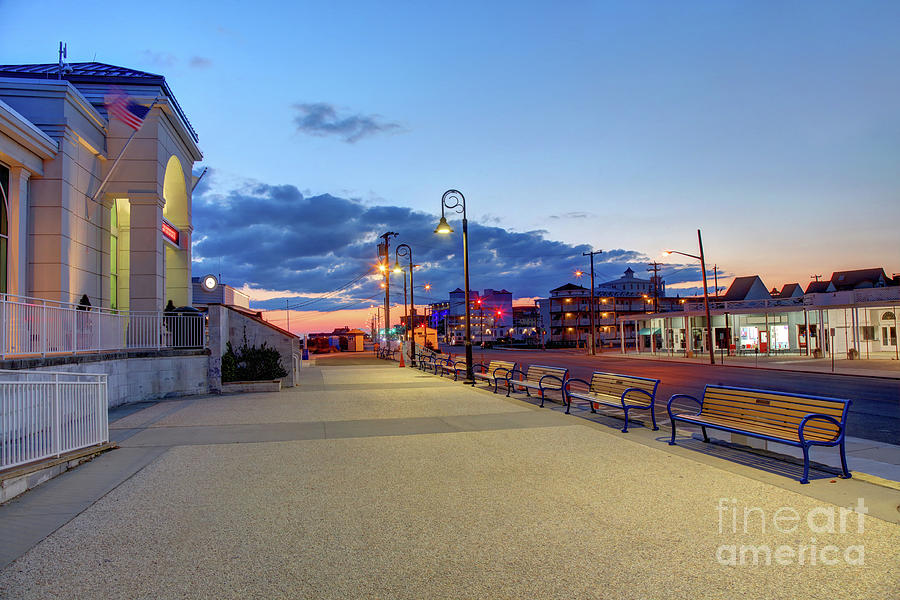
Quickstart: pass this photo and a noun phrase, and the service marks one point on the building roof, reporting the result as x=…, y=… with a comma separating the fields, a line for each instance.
x=848, y=280
x=789, y=290
x=95, y=72
x=740, y=288
x=818, y=287
x=568, y=287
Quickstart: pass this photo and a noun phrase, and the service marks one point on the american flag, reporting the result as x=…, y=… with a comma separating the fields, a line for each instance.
x=119, y=104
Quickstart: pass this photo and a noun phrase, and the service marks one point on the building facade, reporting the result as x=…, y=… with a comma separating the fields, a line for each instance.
x=568, y=309
x=856, y=322
x=125, y=244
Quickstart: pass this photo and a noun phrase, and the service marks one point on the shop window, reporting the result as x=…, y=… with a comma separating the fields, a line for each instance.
x=4, y=225
x=867, y=332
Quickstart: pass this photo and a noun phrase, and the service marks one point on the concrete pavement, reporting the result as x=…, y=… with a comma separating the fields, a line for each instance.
x=375, y=481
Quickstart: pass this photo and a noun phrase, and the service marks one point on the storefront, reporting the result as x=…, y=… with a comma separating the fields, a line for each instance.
x=849, y=324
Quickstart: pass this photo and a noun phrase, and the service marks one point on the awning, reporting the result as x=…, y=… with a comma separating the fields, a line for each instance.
x=648, y=331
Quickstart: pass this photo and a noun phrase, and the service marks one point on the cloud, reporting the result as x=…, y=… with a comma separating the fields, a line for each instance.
x=322, y=120
x=200, y=62
x=160, y=59
x=574, y=215
x=320, y=250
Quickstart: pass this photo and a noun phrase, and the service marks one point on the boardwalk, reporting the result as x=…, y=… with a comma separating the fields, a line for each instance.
x=371, y=481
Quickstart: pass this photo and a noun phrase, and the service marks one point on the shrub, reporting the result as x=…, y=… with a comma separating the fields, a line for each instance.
x=251, y=363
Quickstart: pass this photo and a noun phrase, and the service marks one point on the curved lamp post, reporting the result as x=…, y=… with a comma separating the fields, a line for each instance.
x=454, y=200
x=709, y=341
x=405, y=250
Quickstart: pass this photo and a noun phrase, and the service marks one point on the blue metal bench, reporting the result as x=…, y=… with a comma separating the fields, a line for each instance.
x=538, y=377
x=794, y=419
x=494, y=372
x=619, y=391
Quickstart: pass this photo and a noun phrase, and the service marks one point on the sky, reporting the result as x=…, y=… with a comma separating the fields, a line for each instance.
x=614, y=126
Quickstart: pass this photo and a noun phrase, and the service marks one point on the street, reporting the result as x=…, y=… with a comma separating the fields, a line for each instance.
x=874, y=414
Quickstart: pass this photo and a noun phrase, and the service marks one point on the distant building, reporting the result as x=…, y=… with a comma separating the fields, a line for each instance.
x=526, y=323
x=568, y=309
x=851, y=315
x=223, y=294
x=490, y=315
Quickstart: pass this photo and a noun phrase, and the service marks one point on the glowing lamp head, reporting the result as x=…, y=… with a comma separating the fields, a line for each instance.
x=381, y=267
x=397, y=268
x=209, y=283
x=443, y=226
x=579, y=273
x=427, y=286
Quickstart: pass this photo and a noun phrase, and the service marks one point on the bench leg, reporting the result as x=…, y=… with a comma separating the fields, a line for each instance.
x=672, y=422
x=625, y=429
x=705, y=437
x=847, y=474
x=593, y=407
x=568, y=404
x=542, y=398
x=805, y=478
x=653, y=417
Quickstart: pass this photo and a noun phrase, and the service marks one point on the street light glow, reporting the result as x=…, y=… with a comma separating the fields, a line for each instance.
x=443, y=226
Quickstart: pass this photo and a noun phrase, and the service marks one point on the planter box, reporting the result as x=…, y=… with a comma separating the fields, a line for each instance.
x=250, y=387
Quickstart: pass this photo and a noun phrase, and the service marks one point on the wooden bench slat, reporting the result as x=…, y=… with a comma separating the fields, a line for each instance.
x=763, y=411
x=824, y=406
x=782, y=432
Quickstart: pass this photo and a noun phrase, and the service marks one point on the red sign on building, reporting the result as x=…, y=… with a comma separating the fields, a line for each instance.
x=170, y=233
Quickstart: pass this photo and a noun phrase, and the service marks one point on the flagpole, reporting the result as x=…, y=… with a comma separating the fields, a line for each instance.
x=119, y=157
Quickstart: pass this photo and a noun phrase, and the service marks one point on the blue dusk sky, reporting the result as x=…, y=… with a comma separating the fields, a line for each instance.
x=621, y=126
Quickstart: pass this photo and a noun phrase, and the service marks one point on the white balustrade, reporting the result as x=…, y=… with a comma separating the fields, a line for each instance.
x=47, y=414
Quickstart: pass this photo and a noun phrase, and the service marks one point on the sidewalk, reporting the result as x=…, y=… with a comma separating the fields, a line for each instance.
x=885, y=368
x=375, y=481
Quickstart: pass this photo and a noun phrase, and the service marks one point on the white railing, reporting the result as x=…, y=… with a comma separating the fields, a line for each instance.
x=35, y=327
x=45, y=414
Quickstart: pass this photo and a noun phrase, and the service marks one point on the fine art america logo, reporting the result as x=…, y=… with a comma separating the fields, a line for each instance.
x=738, y=520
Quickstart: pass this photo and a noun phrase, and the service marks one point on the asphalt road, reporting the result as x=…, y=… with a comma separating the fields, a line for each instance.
x=874, y=413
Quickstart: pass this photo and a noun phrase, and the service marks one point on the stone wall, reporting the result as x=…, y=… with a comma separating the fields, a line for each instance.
x=135, y=377
x=229, y=325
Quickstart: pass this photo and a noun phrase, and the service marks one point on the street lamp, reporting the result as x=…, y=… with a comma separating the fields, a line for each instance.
x=454, y=200
x=709, y=341
x=405, y=250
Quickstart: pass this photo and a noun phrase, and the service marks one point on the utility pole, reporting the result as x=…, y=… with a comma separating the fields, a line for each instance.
x=593, y=328
x=287, y=309
x=716, y=277
x=654, y=266
x=816, y=277
x=385, y=247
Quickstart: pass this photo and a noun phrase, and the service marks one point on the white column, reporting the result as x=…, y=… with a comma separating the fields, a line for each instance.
x=17, y=259
x=147, y=255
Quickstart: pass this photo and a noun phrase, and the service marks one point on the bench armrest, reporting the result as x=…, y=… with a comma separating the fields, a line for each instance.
x=817, y=416
x=562, y=382
x=496, y=374
x=572, y=380
x=510, y=374
x=480, y=366
x=634, y=389
x=689, y=397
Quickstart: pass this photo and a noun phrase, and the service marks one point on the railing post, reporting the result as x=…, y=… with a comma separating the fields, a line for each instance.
x=56, y=419
x=159, y=330
x=43, y=330
x=4, y=325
